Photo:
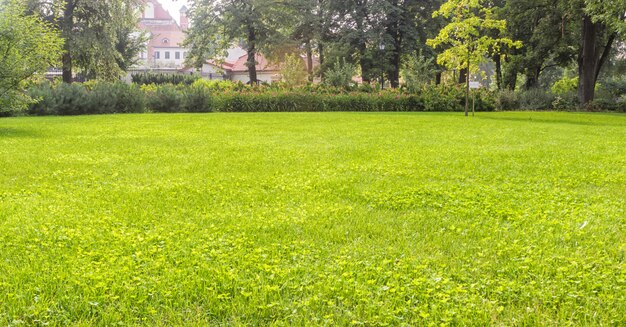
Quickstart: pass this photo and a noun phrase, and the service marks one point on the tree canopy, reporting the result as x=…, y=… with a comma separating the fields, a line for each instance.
x=28, y=47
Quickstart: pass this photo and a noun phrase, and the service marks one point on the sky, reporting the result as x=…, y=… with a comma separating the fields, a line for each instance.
x=173, y=6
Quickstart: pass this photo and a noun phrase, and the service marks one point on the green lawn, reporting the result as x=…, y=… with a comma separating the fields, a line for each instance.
x=313, y=219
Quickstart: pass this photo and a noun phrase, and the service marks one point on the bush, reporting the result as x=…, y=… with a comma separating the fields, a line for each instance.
x=108, y=98
x=197, y=98
x=536, y=99
x=160, y=78
x=165, y=98
x=62, y=99
x=340, y=75
x=507, y=100
x=77, y=99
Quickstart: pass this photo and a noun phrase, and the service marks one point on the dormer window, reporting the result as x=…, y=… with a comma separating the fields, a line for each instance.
x=165, y=41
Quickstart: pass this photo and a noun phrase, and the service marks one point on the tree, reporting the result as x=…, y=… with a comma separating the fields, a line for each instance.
x=217, y=24
x=468, y=36
x=603, y=22
x=92, y=31
x=293, y=70
x=28, y=47
x=310, y=28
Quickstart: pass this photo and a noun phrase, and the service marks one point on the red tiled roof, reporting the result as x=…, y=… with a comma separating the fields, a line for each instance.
x=262, y=64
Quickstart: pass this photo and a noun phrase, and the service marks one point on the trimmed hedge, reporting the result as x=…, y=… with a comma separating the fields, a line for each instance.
x=203, y=96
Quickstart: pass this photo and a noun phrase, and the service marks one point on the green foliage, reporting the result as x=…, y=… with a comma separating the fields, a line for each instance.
x=161, y=78
x=166, y=98
x=565, y=85
x=313, y=219
x=100, y=36
x=108, y=98
x=294, y=71
x=78, y=99
x=536, y=99
x=28, y=47
x=340, y=75
x=417, y=71
x=197, y=98
x=469, y=34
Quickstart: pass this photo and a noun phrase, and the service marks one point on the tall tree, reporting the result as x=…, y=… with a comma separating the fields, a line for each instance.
x=603, y=22
x=544, y=28
x=467, y=36
x=311, y=28
x=28, y=46
x=91, y=30
x=217, y=24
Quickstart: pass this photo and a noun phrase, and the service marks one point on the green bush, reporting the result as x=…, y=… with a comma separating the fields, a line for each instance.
x=166, y=98
x=507, y=100
x=340, y=75
x=197, y=98
x=61, y=99
x=536, y=99
x=161, y=78
x=108, y=98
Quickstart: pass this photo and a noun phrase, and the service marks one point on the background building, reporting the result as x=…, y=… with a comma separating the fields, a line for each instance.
x=164, y=50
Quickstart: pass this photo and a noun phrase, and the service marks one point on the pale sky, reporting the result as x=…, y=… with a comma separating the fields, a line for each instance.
x=173, y=6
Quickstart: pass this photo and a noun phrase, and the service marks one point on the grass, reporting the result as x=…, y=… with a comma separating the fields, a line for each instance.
x=313, y=219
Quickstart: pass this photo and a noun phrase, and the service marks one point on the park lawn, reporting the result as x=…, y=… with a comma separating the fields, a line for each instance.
x=362, y=219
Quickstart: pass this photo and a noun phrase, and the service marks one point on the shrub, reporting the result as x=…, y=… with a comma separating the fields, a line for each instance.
x=161, y=78
x=340, y=75
x=293, y=70
x=197, y=98
x=108, y=98
x=507, y=100
x=165, y=98
x=565, y=85
x=536, y=99
x=62, y=99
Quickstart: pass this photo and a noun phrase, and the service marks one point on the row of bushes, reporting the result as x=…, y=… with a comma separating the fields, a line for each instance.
x=210, y=96
x=107, y=98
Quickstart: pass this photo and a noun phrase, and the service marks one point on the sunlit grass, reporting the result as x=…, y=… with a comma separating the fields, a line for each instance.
x=313, y=218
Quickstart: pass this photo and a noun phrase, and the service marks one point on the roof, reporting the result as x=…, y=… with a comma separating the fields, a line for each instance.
x=262, y=64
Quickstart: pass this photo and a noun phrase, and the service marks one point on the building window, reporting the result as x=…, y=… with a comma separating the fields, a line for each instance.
x=157, y=55
x=177, y=55
x=165, y=41
x=167, y=55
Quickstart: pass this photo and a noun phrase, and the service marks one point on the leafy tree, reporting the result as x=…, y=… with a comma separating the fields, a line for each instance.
x=311, y=28
x=293, y=70
x=93, y=32
x=603, y=23
x=544, y=28
x=341, y=74
x=468, y=36
x=217, y=24
x=28, y=47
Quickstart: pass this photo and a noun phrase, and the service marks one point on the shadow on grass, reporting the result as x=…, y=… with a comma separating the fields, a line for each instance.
x=575, y=119
x=10, y=132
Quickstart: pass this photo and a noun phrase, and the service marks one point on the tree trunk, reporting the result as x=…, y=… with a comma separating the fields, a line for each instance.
x=309, y=60
x=67, y=27
x=592, y=58
x=587, y=62
x=251, y=63
x=394, y=30
x=498, y=61
x=532, y=78
x=467, y=82
x=438, y=78
x=462, y=76
x=363, y=62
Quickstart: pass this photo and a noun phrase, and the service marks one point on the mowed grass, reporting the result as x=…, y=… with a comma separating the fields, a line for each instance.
x=366, y=219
